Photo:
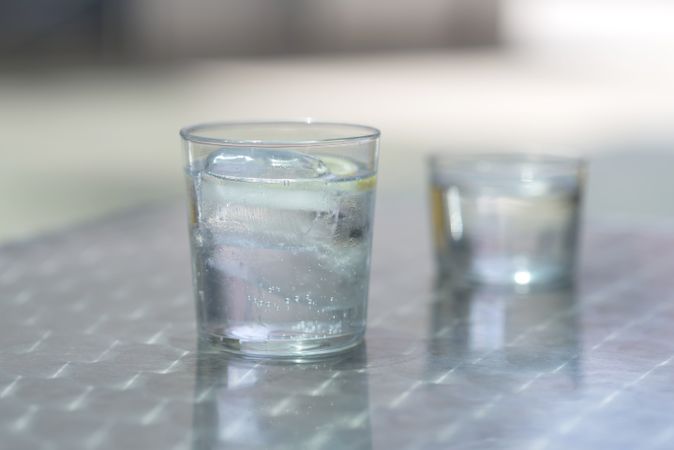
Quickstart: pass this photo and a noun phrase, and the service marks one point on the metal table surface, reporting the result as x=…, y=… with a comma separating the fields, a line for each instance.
x=99, y=351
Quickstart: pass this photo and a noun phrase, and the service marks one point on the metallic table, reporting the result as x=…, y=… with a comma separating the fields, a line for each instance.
x=99, y=352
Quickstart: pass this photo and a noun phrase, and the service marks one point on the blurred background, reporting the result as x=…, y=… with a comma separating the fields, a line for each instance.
x=93, y=92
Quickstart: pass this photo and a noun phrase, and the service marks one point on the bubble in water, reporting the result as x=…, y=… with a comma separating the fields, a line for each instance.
x=267, y=164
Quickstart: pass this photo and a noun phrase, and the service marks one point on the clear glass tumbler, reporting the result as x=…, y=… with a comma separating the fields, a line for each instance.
x=281, y=228
x=509, y=219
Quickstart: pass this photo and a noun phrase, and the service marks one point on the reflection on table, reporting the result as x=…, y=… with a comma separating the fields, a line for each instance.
x=507, y=330
x=246, y=404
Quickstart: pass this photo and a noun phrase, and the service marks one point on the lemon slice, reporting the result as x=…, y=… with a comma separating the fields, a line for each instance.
x=366, y=183
x=342, y=167
x=339, y=166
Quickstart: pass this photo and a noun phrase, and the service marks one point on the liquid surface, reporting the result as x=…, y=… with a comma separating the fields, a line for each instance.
x=281, y=244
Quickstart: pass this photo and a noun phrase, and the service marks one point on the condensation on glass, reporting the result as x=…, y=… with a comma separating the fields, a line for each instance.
x=280, y=222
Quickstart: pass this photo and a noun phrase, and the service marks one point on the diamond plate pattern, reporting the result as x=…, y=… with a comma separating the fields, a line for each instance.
x=99, y=352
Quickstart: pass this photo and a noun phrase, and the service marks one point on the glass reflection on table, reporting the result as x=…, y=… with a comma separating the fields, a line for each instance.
x=482, y=328
x=246, y=404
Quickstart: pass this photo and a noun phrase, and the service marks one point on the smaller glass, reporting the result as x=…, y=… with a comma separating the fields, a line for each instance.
x=507, y=219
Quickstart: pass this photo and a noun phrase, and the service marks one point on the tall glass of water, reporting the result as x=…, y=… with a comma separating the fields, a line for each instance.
x=507, y=219
x=281, y=228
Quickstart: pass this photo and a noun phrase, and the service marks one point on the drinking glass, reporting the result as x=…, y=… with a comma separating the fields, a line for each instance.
x=280, y=219
x=508, y=219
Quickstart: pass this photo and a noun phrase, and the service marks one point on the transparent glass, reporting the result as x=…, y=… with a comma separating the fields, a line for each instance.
x=280, y=222
x=508, y=219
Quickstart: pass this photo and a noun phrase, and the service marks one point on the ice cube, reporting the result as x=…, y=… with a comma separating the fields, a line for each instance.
x=278, y=179
x=251, y=164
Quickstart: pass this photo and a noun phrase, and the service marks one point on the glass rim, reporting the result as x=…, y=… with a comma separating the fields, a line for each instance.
x=496, y=168
x=444, y=159
x=198, y=133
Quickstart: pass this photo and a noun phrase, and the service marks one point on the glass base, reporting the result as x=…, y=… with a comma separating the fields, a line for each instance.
x=546, y=276
x=286, y=349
